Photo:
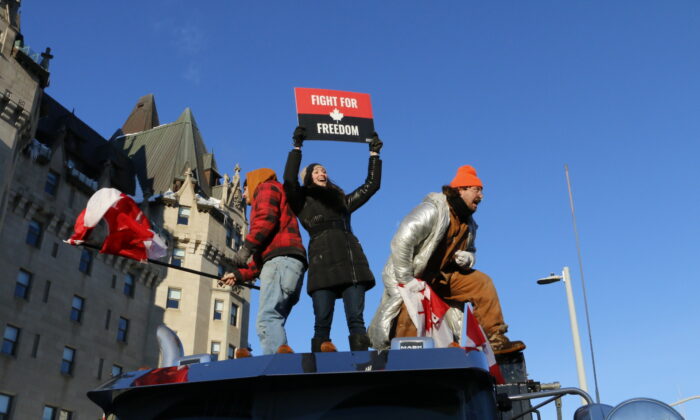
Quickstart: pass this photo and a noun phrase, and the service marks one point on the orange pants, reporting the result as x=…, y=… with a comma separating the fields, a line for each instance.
x=475, y=287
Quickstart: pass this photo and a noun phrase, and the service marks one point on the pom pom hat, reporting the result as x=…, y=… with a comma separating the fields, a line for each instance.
x=466, y=177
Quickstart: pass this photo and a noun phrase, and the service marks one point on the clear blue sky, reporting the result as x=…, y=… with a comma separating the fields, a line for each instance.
x=517, y=89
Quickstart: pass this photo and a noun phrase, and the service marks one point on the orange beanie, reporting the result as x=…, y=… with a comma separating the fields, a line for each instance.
x=466, y=177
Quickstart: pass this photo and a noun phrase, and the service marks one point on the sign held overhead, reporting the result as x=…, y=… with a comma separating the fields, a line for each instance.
x=334, y=114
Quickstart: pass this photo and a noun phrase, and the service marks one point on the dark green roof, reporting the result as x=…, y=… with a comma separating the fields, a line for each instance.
x=164, y=153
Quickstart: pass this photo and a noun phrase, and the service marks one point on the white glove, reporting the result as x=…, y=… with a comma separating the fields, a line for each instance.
x=465, y=259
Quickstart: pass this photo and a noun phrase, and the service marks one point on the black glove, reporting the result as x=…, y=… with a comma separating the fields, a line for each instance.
x=375, y=145
x=299, y=136
x=240, y=258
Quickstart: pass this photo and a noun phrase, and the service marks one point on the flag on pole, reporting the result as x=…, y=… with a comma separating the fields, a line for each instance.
x=427, y=311
x=129, y=234
x=476, y=340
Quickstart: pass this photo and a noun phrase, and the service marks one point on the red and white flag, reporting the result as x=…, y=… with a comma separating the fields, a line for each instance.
x=130, y=233
x=427, y=311
x=476, y=340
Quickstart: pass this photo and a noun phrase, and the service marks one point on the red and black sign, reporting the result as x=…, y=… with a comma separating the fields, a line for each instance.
x=334, y=114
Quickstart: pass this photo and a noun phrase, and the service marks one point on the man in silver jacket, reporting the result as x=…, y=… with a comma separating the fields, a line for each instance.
x=435, y=243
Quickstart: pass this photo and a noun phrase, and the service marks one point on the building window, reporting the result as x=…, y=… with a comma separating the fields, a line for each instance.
x=129, y=285
x=116, y=370
x=215, y=349
x=222, y=271
x=237, y=239
x=65, y=415
x=123, y=329
x=218, y=309
x=54, y=250
x=47, y=289
x=85, y=262
x=231, y=351
x=107, y=318
x=5, y=406
x=68, y=360
x=10, y=340
x=23, y=285
x=178, y=257
x=233, y=237
x=229, y=235
x=234, y=314
x=35, y=345
x=183, y=215
x=51, y=185
x=34, y=233
x=76, y=312
x=174, y=296
x=49, y=413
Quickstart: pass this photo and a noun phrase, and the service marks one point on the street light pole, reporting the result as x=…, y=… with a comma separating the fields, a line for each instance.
x=574, y=330
x=566, y=278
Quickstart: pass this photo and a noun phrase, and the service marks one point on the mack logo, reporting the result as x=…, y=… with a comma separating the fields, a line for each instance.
x=410, y=345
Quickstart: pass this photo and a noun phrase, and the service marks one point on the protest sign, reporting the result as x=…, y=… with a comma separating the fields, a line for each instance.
x=334, y=114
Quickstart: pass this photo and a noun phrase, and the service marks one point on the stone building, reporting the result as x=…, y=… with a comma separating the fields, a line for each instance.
x=203, y=214
x=24, y=76
x=71, y=318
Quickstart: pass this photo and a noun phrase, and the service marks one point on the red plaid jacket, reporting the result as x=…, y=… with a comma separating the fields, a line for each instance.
x=274, y=230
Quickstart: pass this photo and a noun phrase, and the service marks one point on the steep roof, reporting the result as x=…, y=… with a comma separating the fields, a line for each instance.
x=164, y=153
x=143, y=117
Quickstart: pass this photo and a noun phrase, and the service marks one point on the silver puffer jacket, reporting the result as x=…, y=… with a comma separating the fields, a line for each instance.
x=412, y=246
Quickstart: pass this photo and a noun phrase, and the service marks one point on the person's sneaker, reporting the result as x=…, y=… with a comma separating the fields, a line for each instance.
x=242, y=352
x=328, y=347
x=454, y=344
x=502, y=345
x=284, y=349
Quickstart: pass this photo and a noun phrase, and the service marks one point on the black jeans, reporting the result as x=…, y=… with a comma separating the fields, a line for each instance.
x=324, y=302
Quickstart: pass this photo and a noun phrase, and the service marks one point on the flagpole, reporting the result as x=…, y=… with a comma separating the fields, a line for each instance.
x=583, y=283
x=188, y=270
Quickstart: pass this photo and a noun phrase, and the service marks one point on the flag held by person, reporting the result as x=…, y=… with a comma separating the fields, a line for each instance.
x=129, y=231
x=427, y=311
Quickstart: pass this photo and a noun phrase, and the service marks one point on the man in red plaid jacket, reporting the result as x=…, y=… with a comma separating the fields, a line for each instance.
x=274, y=253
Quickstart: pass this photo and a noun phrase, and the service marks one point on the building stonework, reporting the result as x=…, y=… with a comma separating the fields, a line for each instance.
x=71, y=317
x=208, y=318
x=24, y=75
x=103, y=309
x=57, y=300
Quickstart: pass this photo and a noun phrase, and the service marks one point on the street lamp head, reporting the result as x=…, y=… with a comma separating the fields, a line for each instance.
x=552, y=278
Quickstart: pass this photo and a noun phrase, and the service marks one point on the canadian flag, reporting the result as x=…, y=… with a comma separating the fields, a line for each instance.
x=130, y=233
x=426, y=310
x=476, y=340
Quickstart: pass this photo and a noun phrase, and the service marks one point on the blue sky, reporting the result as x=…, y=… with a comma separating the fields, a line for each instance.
x=516, y=89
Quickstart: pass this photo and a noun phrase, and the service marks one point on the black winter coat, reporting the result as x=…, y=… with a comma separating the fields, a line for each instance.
x=335, y=255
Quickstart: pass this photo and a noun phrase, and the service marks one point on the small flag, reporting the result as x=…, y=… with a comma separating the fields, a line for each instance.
x=476, y=340
x=427, y=311
x=130, y=233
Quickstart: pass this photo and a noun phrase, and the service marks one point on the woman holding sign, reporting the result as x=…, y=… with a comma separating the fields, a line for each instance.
x=338, y=267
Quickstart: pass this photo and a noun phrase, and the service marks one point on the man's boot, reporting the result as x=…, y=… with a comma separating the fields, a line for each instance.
x=359, y=342
x=322, y=345
x=502, y=345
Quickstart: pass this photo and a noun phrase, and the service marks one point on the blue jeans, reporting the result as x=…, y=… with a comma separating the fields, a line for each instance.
x=324, y=303
x=281, y=279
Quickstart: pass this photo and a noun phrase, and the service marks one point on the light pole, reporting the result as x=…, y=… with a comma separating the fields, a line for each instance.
x=566, y=278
